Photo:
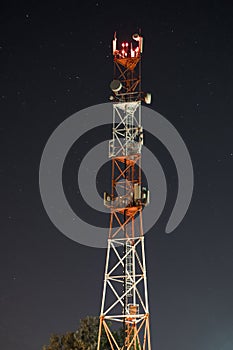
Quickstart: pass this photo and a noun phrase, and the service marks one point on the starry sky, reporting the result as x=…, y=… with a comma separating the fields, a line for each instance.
x=56, y=60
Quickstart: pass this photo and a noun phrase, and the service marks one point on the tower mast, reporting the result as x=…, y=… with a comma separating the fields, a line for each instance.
x=125, y=296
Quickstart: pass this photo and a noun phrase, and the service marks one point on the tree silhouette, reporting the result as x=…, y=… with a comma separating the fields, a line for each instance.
x=84, y=338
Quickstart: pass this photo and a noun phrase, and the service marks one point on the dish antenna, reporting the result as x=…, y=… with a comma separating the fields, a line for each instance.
x=115, y=85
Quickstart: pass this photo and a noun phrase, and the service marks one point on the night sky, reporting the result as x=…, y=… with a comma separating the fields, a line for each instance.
x=56, y=60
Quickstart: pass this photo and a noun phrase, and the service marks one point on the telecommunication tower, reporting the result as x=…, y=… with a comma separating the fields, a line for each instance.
x=125, y=296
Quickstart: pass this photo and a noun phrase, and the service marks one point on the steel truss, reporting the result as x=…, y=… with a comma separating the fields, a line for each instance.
x=125, y=294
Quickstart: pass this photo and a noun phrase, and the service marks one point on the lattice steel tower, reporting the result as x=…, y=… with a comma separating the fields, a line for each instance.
x=125, y=297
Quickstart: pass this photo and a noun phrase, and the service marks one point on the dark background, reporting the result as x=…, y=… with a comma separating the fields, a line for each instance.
x=55, y=60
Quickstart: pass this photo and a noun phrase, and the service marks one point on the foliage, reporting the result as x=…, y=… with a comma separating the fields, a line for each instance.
x=85, y=338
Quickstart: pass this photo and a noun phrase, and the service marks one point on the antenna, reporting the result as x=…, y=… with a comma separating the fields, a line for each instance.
x=125, y=295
